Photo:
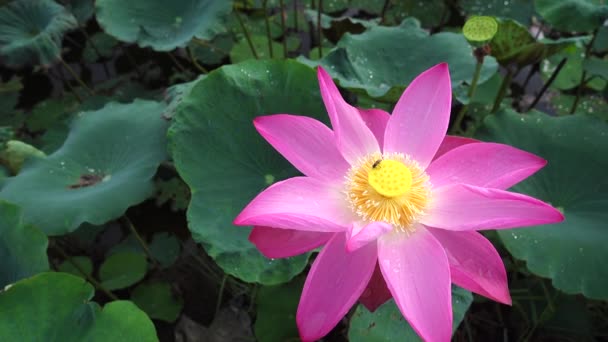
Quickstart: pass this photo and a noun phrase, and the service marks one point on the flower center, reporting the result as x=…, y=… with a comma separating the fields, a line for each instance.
x=390, y=188
x=390, y=178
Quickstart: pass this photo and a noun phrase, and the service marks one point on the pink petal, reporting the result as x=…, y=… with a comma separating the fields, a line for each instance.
x=420, y=118
x=335, y=282
x=284, y=243
x=300, y=203
x=417, y=273
x=307, y=143
x=354, y=139
x=376, y=120
x=450, y=142
x=376, y=293
x=361, y=234
x=475, y=264
x=467, y=207
x=487, y=165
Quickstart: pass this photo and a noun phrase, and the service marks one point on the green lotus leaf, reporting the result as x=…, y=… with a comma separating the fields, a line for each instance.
x=158, y=301
x=520, y=10
x=371, y=62
x=571, y=253
x=573, y=15
x=104, y=166
x=159, y=24
x=22, y=247
x=571, y=74
x=214, y=51
x=99, y=45
x=31, y=31
x=242, y=52
x=514, y=44
x=82, y=10
x=276, y=311
x=56, y=307
x=77, y=265
x=589, y=104
x=387, y=322
x=226, y=163
x=123, y=269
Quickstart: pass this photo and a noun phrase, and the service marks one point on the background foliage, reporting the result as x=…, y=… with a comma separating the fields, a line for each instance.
x=127, y=148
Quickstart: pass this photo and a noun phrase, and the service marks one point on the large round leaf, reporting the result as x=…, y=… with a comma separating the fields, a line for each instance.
x=161, y=25
x=55, y=307
x=514, y=44
x=375, y=63
x=225, y=162
x=22, y=247
x=104, y=166
x=573, y=15
x=572, y=253
x=387, y=324
x=31, y=31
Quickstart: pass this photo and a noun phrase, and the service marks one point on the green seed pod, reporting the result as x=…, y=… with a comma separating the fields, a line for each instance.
x=480, y=29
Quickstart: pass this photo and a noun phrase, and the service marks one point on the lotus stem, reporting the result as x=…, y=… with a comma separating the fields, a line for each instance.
x=195, y=62
x=267, y=21
x=66, y=83
x=581, y=85
x=548, y=83
x=177, y=63
x=384, y=9
x=504, y=86
x=320, y=29
x=132, y=61
x=206, y=44
x=283, y=27
x=90, y=279
x=470, y=93
x=218, y=303
x=295, y=15
x=75, y=75
x=246, y=33
x=139, y=239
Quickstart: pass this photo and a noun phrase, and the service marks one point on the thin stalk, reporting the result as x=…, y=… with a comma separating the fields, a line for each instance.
x=471, y=92
x=467, y=327
x=132, y=61
x=177, y=63
x=548, y=83
x=267, y=21
x=206, y=44
x=75, y=75
x=218, y=304
x=283, y=14
x=90, y=279
x=72, y=90
x=384, y=9
x=247, y=36
x=320, y=29
x=195, y=62
x=295, y=15
x=581, y=85
x=139, y=239
x=503, y=90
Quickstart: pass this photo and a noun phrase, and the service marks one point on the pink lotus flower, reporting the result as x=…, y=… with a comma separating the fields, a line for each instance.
x=393, y=191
